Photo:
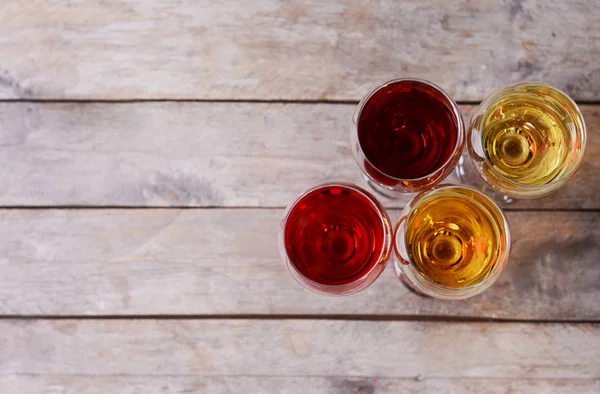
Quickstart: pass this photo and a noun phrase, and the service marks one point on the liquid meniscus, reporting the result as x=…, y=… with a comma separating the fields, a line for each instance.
x=526, y=135
x=453, y=237
x=334, y=235
x=407, y=130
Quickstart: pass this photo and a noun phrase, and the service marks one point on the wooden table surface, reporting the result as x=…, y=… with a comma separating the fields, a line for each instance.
x=148, y=148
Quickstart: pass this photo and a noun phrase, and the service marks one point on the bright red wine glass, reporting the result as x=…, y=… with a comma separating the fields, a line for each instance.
x=335, y=239
x=408, y=137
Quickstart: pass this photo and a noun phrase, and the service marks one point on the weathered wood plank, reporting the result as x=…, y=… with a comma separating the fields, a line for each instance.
x=226, y=261
x=201, y=154
x=80, y=384
x=306, y=49
x=300, y=348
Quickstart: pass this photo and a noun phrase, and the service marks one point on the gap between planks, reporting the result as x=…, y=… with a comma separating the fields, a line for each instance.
x=329, y=317
x=315, y=376
x=240, y=207
x=207, y=101
x=221, y=101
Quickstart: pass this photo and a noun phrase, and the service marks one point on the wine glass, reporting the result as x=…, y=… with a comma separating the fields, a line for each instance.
x=335, y=239
x=408, y=136
x=451, y=242
x=525, y=141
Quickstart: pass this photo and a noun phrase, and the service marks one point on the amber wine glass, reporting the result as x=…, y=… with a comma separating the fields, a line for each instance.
x=335, y=239
x=526, y=140
x=408, y=136
x=451, y=242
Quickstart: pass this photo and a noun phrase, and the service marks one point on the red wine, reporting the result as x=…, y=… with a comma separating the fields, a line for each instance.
x=406, y=130
x=335, y=234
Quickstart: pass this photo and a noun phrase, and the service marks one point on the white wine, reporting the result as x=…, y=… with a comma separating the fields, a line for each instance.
x=526, y=135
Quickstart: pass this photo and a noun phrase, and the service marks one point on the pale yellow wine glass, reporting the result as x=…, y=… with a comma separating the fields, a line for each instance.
x=526, y=140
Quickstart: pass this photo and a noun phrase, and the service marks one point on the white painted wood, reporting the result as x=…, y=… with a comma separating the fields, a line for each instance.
x=226, y=261
x=201, y=154
x=299, y=348
x=85, y=384
x=213, y=262
x=308, y=49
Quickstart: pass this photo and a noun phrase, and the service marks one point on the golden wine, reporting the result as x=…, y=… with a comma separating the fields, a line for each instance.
x=526, y=134
x=454, y=237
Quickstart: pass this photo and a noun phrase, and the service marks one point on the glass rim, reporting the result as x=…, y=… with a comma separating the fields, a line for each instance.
x=383, y=219
x=503, y=258
x=556, y=180
x=455, y=111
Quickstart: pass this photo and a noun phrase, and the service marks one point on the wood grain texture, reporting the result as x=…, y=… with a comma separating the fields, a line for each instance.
x=300, y=348
x=307, y=49
x=202, y=154
x=226, y=262
x=86, y=384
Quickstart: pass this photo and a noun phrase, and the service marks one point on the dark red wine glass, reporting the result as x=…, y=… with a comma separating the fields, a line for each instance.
x=408, y=136
x=335, y=239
